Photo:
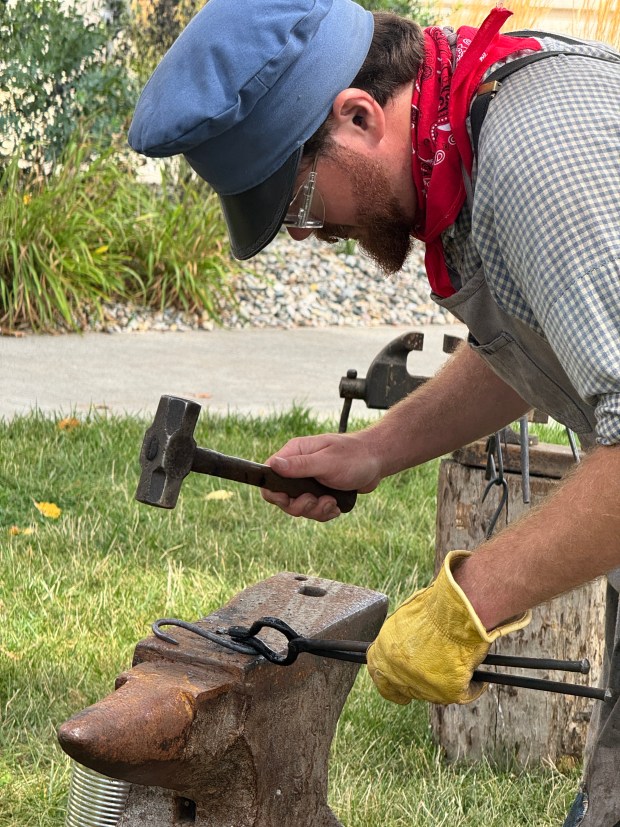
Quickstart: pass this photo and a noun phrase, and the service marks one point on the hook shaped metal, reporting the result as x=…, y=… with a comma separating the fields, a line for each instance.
x=503, y=503
x=197, y=630
x=494, y=445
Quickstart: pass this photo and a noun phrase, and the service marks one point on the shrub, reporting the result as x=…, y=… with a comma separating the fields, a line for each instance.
x=61, y=247
x=179, y=243
x=56, y=69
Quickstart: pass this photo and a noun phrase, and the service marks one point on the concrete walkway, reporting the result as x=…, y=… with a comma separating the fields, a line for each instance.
x=255, y=371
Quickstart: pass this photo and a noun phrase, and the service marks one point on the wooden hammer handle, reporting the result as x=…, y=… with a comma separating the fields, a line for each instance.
x=253, y=473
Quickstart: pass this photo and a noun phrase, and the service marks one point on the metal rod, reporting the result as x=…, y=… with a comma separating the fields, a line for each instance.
x=543, y=685
x=573, y=444
x=317, y=645
x=344, y=416
x=581, y=666
x=524, y=438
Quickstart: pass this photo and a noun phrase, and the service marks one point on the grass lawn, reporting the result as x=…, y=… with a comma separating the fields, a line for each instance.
x=78, y=590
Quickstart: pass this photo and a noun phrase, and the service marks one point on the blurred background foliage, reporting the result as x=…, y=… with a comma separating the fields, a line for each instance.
x=82, y=224
x=59, y=67
x=155, y=24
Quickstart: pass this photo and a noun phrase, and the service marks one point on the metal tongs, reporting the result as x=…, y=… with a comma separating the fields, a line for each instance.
x=245, y=641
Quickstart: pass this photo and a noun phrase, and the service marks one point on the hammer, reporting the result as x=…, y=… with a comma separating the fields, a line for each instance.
x=169, y=452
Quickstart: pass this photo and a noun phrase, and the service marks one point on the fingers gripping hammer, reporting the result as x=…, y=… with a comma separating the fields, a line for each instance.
x=169, y=453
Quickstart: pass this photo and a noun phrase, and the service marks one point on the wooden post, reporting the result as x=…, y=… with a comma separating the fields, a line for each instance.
x=519, y=724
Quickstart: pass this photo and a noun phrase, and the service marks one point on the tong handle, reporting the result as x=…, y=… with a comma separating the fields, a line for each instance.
x=543, y=685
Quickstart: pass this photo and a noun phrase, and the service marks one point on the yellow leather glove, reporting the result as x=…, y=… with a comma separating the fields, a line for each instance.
x=429, y=648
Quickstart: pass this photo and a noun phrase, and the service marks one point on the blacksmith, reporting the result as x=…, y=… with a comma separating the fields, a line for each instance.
x=324, y=118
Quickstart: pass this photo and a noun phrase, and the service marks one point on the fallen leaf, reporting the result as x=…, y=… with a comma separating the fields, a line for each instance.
x=201, y=395
x=49, y=510
x=11, y=656
x=15, y=529
x=221, y=494
x=68, y=423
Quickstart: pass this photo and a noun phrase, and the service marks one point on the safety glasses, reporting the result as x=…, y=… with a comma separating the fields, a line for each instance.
x=307, y=210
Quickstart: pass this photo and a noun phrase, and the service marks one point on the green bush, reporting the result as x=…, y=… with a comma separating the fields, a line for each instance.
x=423, y=12
x=90, y=232
x=57, y=68
x=153, y=27
x=178, y=243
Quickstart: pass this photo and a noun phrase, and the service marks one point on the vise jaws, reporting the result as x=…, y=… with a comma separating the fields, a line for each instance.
x=388, y=379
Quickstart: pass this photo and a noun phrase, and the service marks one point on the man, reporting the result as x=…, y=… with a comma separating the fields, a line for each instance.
x=315, y=115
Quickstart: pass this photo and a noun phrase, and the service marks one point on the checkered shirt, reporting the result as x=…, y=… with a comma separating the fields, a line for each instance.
x=545, y=221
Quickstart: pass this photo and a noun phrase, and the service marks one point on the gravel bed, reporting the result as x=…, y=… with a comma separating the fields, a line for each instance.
x=307, y=284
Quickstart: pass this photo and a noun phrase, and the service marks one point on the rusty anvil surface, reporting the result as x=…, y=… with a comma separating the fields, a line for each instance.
x=246, y=741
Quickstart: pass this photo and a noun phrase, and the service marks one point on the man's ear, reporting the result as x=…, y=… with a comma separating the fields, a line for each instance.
x=357, y=118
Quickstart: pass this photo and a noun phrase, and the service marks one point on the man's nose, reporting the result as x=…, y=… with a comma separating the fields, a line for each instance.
x=298, y=235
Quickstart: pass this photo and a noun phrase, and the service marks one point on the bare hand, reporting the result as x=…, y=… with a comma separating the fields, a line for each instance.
x=343, y=461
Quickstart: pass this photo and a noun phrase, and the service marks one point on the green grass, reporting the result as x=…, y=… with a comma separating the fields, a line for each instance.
x=78, y=592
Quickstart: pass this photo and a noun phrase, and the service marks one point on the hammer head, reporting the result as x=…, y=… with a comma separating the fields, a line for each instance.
x=167, y=452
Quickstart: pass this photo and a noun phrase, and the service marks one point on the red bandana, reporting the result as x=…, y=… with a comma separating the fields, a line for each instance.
x=440, y=142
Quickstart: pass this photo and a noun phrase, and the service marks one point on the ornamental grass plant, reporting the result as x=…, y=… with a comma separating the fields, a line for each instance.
x=85, y=570
x=62, y=246
x=89, y=232
x=178, y=243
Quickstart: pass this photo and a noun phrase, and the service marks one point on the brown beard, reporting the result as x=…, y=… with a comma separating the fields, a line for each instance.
x=382, y=231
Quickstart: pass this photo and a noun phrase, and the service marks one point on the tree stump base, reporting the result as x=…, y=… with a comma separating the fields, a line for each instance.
x=506, y=723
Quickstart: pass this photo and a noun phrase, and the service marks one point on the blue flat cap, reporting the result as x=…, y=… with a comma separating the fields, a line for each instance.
x=241, y=90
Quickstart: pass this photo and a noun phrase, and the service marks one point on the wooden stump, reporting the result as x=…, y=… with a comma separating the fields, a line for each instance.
x=520, y=724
